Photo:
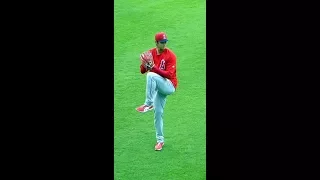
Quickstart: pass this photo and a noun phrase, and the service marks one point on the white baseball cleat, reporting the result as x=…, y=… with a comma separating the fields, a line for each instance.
x=144, y=108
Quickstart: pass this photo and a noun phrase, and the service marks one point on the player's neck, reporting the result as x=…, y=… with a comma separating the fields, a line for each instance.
x=159, y=51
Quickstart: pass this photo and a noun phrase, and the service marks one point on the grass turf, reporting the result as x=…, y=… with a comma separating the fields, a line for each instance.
x=184, y=153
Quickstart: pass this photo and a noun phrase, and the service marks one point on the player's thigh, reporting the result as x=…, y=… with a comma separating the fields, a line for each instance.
x=166, y=87
x=163, y=85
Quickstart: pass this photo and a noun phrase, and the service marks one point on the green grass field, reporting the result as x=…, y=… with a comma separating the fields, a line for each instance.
x=184, y=155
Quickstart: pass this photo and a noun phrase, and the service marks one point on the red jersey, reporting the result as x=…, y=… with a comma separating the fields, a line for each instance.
x=164, y=65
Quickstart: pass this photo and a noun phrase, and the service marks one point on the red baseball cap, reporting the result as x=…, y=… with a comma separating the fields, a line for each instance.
x=161, y=36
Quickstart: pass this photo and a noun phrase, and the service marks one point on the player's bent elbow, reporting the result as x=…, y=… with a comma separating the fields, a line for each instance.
x=143, y=72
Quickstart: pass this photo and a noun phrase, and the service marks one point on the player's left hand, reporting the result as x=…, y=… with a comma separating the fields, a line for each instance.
x=147, y=60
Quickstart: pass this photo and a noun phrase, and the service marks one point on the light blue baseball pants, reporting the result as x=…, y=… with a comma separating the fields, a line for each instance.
x=157, y=89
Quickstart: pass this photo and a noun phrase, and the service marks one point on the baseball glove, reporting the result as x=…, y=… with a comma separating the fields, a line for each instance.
x=147, y=60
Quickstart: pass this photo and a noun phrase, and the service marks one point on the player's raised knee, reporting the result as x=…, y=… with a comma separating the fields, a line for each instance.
x=151, y=74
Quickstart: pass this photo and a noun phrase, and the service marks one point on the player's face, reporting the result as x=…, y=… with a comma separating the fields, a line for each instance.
x=161, y=45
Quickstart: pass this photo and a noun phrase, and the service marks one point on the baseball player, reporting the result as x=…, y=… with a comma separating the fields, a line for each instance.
x=160, y=65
